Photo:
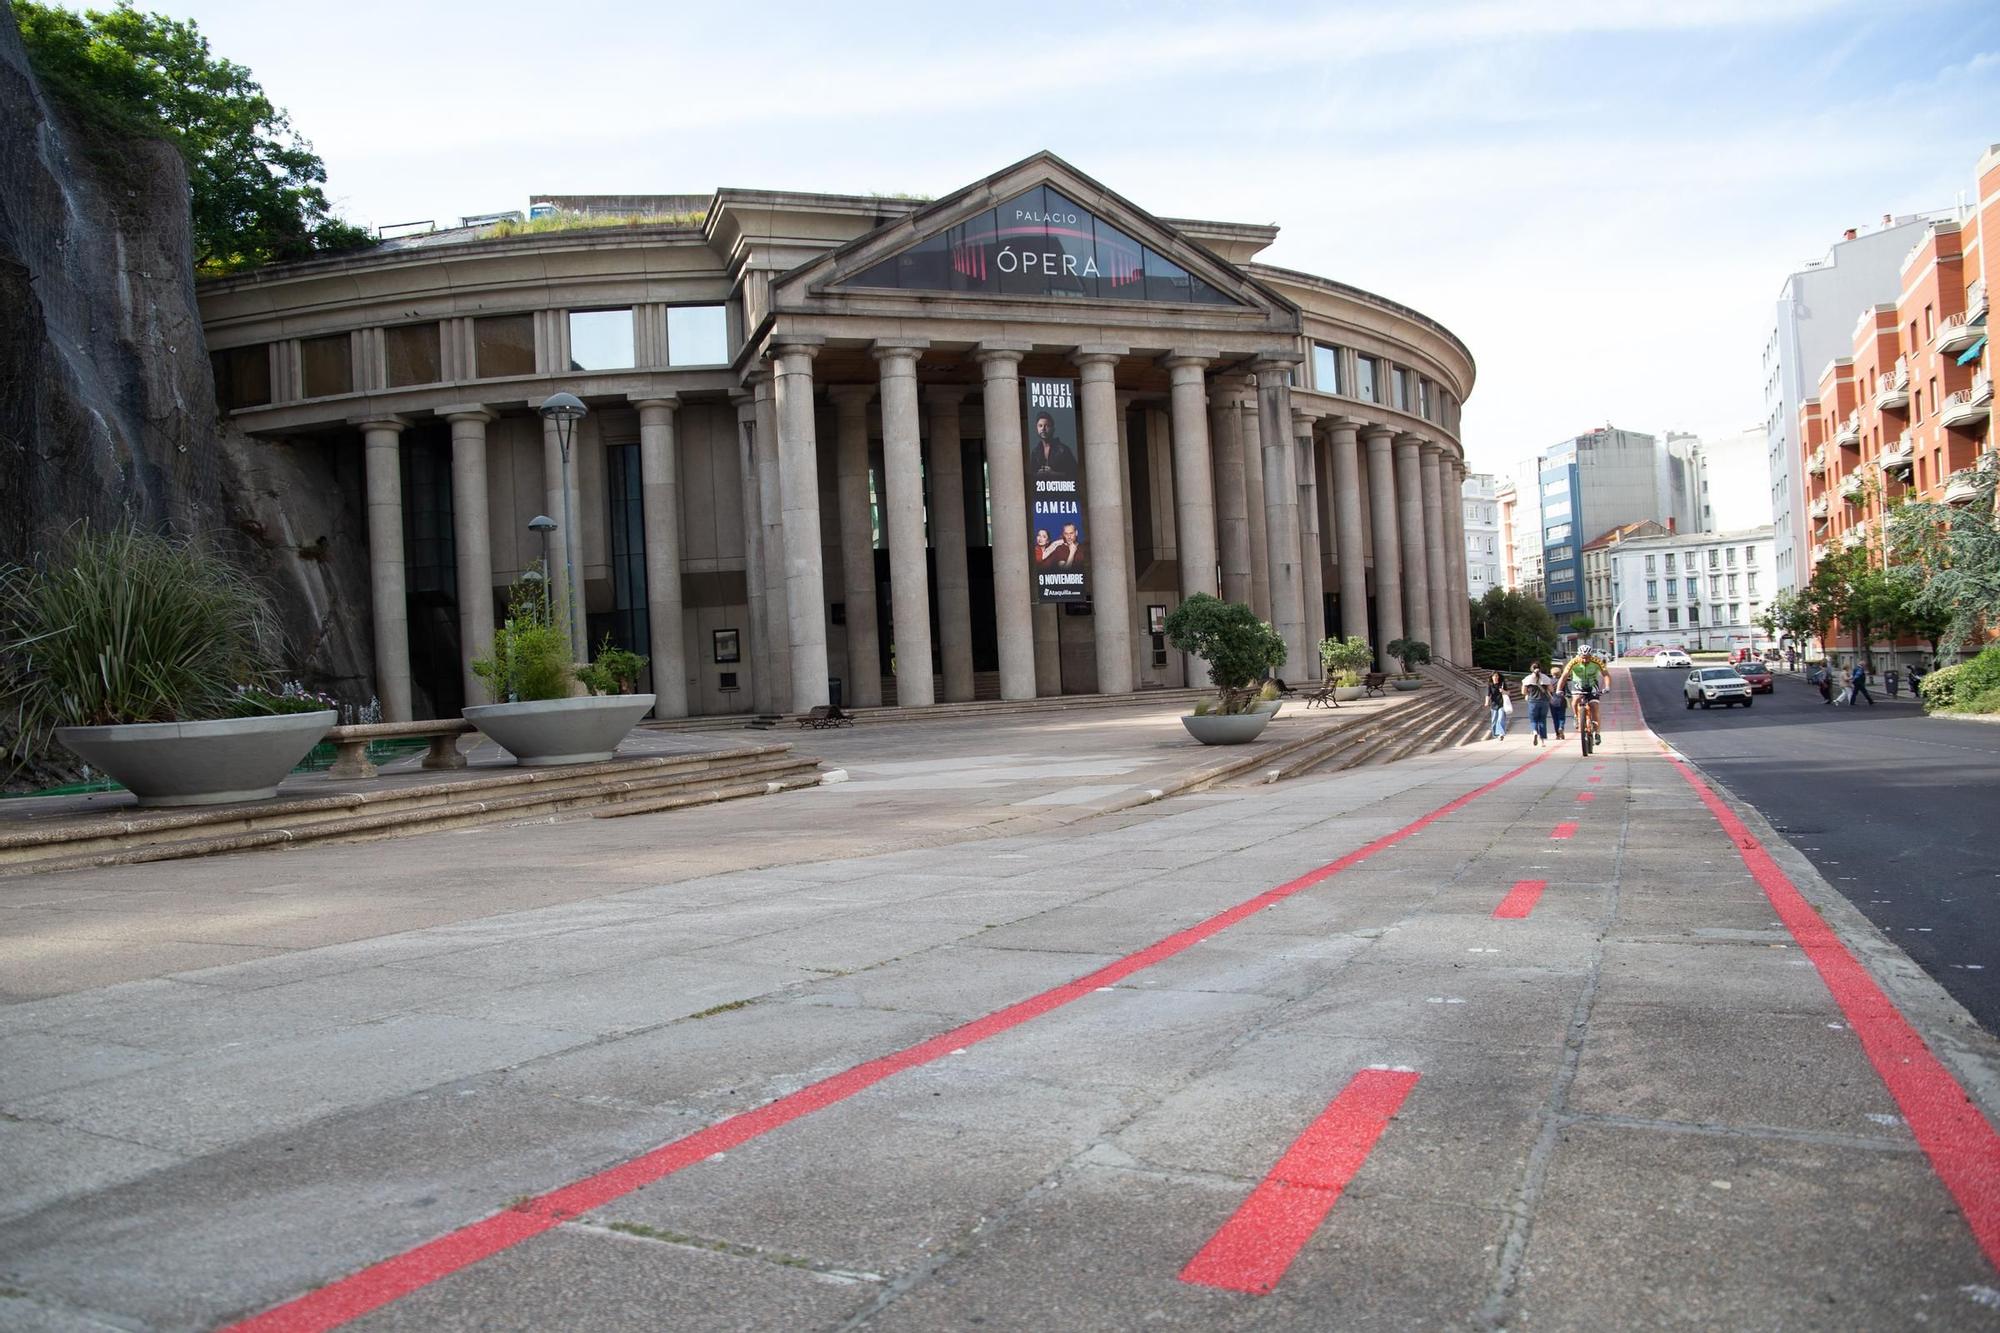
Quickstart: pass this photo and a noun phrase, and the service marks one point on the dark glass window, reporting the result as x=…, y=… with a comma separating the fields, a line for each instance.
x=327, y=365
x=1166, y=280
x=503, y=345
x=627, y=624
x=411, y=352
x=242, y=376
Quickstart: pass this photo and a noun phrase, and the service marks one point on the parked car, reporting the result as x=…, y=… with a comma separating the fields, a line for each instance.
x=1759, y=676
x=1709, y=686
x=1673, y=657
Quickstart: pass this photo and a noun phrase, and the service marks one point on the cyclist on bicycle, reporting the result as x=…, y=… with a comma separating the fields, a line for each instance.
x=1584, y=677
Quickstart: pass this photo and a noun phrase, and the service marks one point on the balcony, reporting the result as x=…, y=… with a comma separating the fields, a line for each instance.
x=1969, y=410
x=1819, y=552
x=1892, y=389
x=1849, y=434
x=1897, y=455
x=1816, y=462
x=1818, y=509
x=1954, y=334
x=1851, y=487
x=1975, y=301
x=1962, y=486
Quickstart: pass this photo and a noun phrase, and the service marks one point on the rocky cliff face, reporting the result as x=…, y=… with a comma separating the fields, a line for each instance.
x=107, y=404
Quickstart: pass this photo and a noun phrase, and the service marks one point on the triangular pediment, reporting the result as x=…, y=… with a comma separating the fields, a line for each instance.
x=1037, y=231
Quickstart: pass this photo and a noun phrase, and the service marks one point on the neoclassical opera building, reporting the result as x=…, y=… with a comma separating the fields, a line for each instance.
x=888, y=450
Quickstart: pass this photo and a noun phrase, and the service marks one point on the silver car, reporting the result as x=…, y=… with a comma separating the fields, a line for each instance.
x=1709, y=686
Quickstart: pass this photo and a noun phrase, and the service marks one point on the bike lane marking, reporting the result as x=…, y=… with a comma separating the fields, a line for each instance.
x=1955, y=1136
x=1252, y=1250
x=391, y=1279
x=1563, y=831
x=1521, y=899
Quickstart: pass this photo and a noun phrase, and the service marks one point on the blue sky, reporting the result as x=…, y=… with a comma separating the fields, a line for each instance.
x=1601, y=199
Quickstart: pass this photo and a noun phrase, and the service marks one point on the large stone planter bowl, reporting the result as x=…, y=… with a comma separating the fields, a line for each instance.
x=1406, y=682
x=1234, y=729
x=584, y=730
x=1348, y=693
x=200, y=763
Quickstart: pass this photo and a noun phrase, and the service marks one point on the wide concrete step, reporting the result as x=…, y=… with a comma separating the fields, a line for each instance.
x=1437, y=718
x=511, y=795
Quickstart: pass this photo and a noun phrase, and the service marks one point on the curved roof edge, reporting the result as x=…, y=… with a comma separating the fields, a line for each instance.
x=1371, y=298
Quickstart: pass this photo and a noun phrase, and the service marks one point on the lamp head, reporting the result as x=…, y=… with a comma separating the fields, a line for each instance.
x=564, y=407
x=541, y=523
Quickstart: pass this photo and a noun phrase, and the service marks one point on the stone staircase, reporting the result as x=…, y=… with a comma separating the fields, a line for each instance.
x=1432, y=720
x=506, y=795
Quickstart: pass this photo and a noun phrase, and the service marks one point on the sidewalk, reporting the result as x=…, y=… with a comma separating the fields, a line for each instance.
x=1497, y=1038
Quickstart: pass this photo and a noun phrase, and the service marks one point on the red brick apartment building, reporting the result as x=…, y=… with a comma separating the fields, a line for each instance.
x=1911, y=411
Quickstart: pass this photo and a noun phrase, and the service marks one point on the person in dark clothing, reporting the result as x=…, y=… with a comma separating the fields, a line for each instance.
x=1825, y=683
x=1496, y=703
x=1857, y=681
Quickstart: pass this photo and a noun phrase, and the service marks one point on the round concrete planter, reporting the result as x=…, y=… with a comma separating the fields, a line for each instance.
x=1346, y=693
x=200, y=763
x=1234, y=729
x=583, y=730
x=1406, y=682
x=1268, y=707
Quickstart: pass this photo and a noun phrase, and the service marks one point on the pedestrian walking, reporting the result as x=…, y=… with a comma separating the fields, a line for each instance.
x=1791, y=659
x=1536, y=687
x=1857, y=686
x=1824, y=679
x=1917, y=674
x=1497, y=703
x=1558, y=710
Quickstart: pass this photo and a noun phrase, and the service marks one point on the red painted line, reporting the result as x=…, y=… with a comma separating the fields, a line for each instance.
x=1962, y=1147
x=1597, y=777
x=1586, y=796
x=1259, y=1241
x=398, y=1276
x=1521, y=899
x=1566, y=829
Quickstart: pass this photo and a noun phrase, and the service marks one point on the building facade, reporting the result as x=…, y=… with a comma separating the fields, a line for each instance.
x=826, y=443
x=1907, y=409
x=1702, y=591
x=1597, y=481
x=1601, y=593
x=1814, y=325
x=1481, y=521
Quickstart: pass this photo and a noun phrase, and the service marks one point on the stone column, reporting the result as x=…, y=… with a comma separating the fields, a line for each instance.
x=1255, y=503
x=1231, y=496
x=1410, y=516
x=568, y=576
x=660, y=499
x=1388, y=545
x=1353, y=570
x=753, y=551
x=1125, y=399
x=1451, y=501
x=903, y=480
x=948, y=539
x=382, y=454
x=857, y=547
x=1194, y=492
x=472, y=540
x=1104, y=496
x=1307, y=468
x=1434, y=549
x=777, y=663
x=1007, y=493
x=798, y=492
x=1281, y=514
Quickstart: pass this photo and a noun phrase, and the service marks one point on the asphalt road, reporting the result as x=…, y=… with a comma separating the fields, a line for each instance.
x=1897, y=810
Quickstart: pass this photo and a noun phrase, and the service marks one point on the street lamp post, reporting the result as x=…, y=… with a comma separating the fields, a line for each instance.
x=543, y=524
x=566, y=409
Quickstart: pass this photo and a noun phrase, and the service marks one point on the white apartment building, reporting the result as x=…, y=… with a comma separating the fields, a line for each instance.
x=1483, y=551
x=1698, y=590
x=1815, y=324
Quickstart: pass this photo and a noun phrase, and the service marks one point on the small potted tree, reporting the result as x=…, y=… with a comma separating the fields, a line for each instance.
x=1412, y=653
x=1239, y=650
x=544, y=720
x=1345, y=662
x=153, y=659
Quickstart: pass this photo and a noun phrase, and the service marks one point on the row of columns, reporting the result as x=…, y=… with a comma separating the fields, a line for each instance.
x=1247, y=496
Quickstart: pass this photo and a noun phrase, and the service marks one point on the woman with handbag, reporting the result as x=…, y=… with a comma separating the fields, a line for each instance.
x=1500, y=704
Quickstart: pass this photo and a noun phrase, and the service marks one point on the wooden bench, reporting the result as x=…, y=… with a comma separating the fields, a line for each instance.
x=1323, y=696
x=350, y=744
x=824, y=716
x=1373, y=682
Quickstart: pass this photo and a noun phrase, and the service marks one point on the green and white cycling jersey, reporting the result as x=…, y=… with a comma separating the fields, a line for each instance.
x=1585, y=674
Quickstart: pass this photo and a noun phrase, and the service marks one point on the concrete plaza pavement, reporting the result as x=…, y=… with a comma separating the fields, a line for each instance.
x=1636, y=1105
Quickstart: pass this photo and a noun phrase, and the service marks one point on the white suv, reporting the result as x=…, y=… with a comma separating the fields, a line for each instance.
x=1709, y=686
x=1673, y=657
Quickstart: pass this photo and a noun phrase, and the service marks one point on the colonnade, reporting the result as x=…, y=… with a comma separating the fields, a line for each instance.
x=1265, y=491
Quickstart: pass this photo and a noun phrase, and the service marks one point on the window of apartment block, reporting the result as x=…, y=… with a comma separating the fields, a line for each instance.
x=411, y=355
x=1732, y=585
x=1714, y=557
x=242, y=376
x=1729, y=556
x=503, y=345
x=1715, y=585
x=1687, y=561
x=1365, y=373
x=1673, y=617
x=1649, y=563
x=1694, y=615
x=1749, y=556
x=1735, y=612
x=1750, y=583
x=1652, y=590
x=697, y=335
x=1929, y=327
x=601, y=340
x=1326, y=368
x=326, y=365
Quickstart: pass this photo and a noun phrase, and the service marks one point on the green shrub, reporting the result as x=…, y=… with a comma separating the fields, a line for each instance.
x=1981, y=675
x=1988, y=702
x=1940, y=689
x=1238, y=647
x=1412, y=653
x=252, y=701
x=1346, y=657
x=616, y=670
x=128, y=626
x=529, y=661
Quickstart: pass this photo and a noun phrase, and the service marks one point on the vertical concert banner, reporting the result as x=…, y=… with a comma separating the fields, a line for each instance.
x=1058, y=550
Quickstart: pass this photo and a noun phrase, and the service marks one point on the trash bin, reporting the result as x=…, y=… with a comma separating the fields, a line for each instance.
x=833, y=690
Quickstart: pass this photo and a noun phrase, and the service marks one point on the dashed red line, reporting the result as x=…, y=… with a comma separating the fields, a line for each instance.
x=392, y=1279
x=1566, y=829
x=1258, y=1243
x=1586, y=796
x=1521, y=899
x=1596, y=777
